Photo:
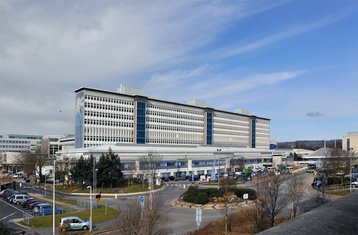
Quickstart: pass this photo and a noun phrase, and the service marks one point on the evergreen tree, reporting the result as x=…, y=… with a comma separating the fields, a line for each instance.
x=109, y=171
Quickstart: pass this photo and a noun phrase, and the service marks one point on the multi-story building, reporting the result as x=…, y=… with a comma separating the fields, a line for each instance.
x=19, y=143
x=350, y=141
x=107, y=118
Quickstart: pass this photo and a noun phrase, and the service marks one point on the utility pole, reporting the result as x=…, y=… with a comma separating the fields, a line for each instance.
x=90, y=207
x=350, y=170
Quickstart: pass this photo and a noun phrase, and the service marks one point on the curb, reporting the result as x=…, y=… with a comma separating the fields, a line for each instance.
x=115, y=195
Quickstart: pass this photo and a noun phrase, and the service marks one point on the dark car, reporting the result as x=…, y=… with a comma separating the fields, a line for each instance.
x=8, y=194
x=27, y=202
x=5, y=192
x=10, y=198
x=32, y=205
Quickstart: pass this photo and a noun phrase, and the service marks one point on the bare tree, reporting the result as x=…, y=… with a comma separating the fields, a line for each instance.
x=133, y=219
x=227, y=185
x=336, y=163
x=149, y=164
x=273, y=197
x=294, y=193
x=28, y=162
x=31, y=161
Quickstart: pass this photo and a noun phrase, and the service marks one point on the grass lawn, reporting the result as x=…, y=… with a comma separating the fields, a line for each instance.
x=64, y=200
x=99, y=215
x=340, y=193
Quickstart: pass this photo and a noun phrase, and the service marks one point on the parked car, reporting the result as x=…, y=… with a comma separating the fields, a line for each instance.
x=20, y=198
x=5, y=191
x=46, y=209
x=73, y=223
x=27, y=202
x=33, y=204
x=10, y=198
x=355, y=184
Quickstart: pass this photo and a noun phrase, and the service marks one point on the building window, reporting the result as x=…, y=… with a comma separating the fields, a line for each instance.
x=209, y=128
x=253, y=133
x=141, y=123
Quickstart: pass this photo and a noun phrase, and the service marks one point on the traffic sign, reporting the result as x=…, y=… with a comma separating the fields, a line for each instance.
x=245, y=196
x=198, y=216
x=141, y=199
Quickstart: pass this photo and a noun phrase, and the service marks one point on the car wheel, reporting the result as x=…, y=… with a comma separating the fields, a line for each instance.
x=17, y=203
x=85, y=228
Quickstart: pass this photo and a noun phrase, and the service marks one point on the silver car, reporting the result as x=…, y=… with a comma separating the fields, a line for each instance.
x=74, y=223
x=20, y=198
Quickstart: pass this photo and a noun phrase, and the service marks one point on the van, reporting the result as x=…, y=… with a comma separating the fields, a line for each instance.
x=20, y=198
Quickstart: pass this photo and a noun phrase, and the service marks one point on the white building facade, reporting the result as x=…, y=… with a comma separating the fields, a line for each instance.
x=107, y=118
x=177, y=160
x=19, y=143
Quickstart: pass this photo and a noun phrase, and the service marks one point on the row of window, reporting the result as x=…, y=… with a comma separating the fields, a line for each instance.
x=108, y=100
x=173, y=109
x=108, y=139
x=14, y=141
x=15, y=146
x=174, y=115
x=174, y=122
x=108, y=107
x=173, y=128
x=108, y=123
x=109, y=115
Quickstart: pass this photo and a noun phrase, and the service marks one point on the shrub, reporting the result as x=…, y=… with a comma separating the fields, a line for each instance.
x=241, y=191
x=213, y=192
x=190, y=194
x=202, y=198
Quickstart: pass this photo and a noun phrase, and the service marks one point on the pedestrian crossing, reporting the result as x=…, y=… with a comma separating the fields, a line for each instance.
x=183, y=186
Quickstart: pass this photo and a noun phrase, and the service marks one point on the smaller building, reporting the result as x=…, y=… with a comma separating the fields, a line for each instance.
x=19, y=143
x=350, y=141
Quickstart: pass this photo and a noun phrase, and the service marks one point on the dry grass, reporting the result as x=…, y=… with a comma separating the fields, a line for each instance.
x=240, y=225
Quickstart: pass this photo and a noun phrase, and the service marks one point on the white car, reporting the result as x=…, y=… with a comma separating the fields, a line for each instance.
x=355, y=184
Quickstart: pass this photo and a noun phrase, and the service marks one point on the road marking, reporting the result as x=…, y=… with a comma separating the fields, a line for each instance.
x=8, y=216
x=15, y=208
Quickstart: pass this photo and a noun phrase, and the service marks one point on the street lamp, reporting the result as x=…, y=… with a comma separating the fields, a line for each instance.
x=53, y=197
x=90, y=207
x=218, y=150
x=350, y=169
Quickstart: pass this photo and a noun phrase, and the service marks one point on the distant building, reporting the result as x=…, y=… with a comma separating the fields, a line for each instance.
x=350, y=141
x=19, y=143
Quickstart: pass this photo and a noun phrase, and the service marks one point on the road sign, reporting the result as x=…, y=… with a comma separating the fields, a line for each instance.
x=198, y=216
x=245, y=196
x=141, y=199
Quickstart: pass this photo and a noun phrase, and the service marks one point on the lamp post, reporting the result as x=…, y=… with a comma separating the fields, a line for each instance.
x=53, y=197
x=218, y=150
x=90, y=207
x=350, y=170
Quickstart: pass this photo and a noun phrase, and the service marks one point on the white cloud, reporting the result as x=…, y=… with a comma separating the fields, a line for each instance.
x=285, y=34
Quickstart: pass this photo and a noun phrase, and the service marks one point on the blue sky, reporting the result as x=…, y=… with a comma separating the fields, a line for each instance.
x=295, y=62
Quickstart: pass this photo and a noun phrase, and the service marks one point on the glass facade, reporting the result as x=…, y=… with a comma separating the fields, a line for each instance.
x=348, y=144
x=253, y=133
x=79, y=120
x=140, y=123
x=209, y=128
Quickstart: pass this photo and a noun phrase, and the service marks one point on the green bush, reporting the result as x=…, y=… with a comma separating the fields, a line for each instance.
x=190, y=194
x=241, y=191
x=213, y=192
x=202, y=198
